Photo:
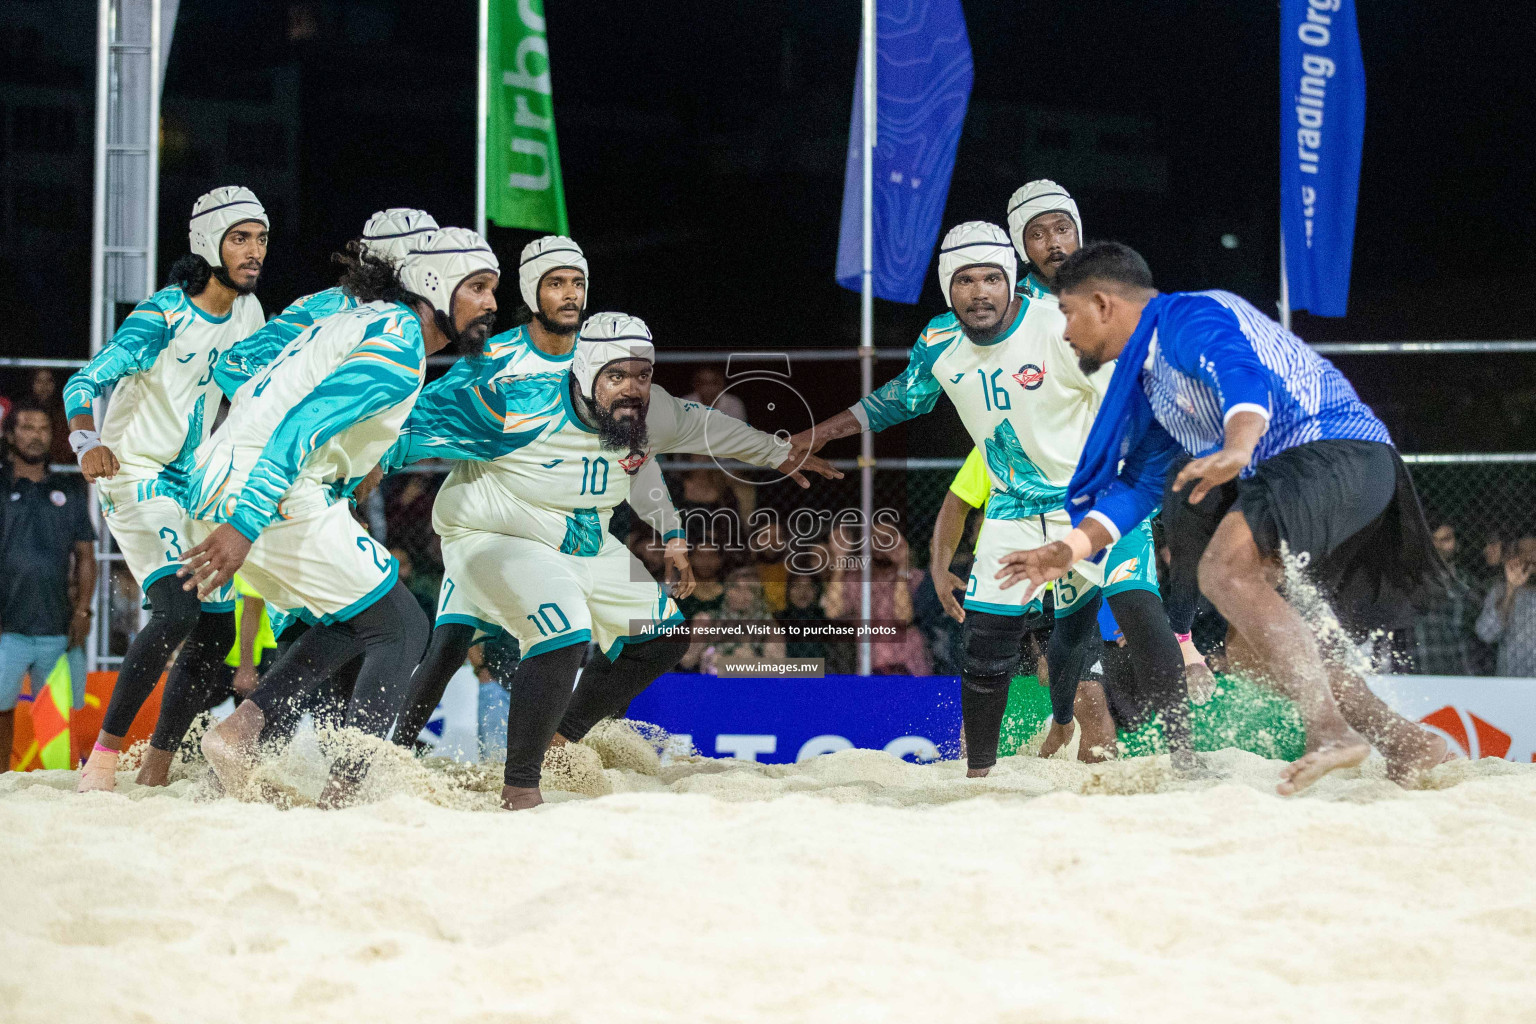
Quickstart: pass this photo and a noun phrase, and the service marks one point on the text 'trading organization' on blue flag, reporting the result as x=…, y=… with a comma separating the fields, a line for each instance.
x=923, y=82
x=1322, y=129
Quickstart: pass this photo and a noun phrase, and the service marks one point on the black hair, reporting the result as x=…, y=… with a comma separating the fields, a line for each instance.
x=1111, y=262
x=521, y=315
x=190, y=273
x=369, y=277
x=26, y=402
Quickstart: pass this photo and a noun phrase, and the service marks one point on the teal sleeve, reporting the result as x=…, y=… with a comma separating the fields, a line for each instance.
x=909, y=394
x=383, y=371
x=476, y=422
x=133, y=349
x=249, y=356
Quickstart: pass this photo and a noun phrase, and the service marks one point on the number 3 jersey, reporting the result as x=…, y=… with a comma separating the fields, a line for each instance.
x=1022, y=398
x=161, y=360
x=314, y=420
x=531, y=467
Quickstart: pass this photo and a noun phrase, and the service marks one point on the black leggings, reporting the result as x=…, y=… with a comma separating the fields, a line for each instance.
x=392, y=632
x=542, y=702
x=199, y=680
x=173, y=613
x=445, y=655
x=1154, y=651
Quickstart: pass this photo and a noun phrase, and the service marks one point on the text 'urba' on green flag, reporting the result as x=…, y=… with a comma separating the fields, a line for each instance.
x=522, y=162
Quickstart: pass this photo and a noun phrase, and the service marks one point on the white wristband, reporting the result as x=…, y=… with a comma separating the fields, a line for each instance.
x=83, y=441
x=1081, y=546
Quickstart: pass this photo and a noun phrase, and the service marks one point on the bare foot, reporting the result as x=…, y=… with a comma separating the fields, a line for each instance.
x=1200, y=682
x=977, y=773
x=520, y=798
x=1098, y=753
x=231, y=747
x=1407, y=768
x=100, y=772
x=1059, y=736
x=156, y=767
x=1344, y=750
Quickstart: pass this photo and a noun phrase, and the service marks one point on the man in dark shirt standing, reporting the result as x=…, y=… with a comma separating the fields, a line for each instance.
x=45, y=524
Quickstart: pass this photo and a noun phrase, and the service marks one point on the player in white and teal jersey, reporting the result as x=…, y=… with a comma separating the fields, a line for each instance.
x=1001, y=358
x=159, y=365
x=388, y=233
x=552, y=278
x=544, y=459
x=264, y=493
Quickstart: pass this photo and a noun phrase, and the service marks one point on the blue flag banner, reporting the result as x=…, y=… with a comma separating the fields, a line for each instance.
x=924, y=82
x=1322, y=129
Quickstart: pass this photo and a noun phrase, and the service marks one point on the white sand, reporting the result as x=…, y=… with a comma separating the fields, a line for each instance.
x=851, y=888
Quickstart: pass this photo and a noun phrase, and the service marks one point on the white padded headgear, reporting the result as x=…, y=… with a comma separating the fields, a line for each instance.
x=606, y=338
x=215, y=213
x=542, y=255
x=975, y=242
x=390, y=233
x=437, y=263
x=1029, y=202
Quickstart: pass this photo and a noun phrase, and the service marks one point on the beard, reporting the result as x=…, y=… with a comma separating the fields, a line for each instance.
x=228, y=282
x=1089, y=365
x=32, y=457
x=470, y=342
x=621, y=435
x=555, y=328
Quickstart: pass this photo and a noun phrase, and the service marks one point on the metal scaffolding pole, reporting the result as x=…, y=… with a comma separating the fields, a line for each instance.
x=125, y=209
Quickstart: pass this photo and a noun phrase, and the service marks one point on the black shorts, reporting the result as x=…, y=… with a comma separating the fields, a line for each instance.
x=1347, y=509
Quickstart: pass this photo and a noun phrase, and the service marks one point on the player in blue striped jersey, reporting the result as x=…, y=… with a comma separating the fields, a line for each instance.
x=1287, y=466
x=388, y=233
x=159, y=366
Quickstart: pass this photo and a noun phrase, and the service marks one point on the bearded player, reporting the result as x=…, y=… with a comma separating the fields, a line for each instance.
x=265, y=491
x=552, y=279
x=545, y=459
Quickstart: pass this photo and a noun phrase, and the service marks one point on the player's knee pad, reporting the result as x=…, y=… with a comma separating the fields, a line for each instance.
x=178, y=609
x=992, y=650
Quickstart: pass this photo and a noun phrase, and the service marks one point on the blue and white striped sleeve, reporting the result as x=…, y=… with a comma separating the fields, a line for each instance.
x=382, y=371
x=133, y=349
x=1201, y=337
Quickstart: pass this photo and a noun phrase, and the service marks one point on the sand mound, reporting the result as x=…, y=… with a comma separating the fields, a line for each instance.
x=852, y=887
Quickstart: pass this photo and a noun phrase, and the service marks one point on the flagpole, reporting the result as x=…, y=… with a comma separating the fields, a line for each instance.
x=482, y=111
x=867, y=323
x=1285, y=285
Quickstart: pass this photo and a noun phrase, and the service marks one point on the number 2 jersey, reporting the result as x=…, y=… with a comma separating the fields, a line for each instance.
x=161, y=361
x=317, y=418
x=1022, y=398
x=531, y=467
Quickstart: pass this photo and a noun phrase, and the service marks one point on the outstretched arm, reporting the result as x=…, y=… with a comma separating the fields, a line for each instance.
x=699, y=430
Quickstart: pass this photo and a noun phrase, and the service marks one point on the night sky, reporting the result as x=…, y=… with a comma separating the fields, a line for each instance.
x=703, y=148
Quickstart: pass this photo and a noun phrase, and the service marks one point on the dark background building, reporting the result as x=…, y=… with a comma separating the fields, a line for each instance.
x=703, y=147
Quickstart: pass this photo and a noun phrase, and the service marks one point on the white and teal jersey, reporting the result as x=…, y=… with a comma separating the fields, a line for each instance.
x=1022, y=398
x=161, y=360
x=1033, y=286
x=248, y=356
x=530, y=467
x=314, y=421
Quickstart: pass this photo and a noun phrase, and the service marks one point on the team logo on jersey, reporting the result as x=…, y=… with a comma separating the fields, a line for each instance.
x=1030, y=377
x=632, y=462
x=1123, y=572
x=956, y=378
x=552, y=464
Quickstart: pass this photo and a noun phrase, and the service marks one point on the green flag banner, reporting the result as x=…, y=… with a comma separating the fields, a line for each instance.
x=522, y=163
